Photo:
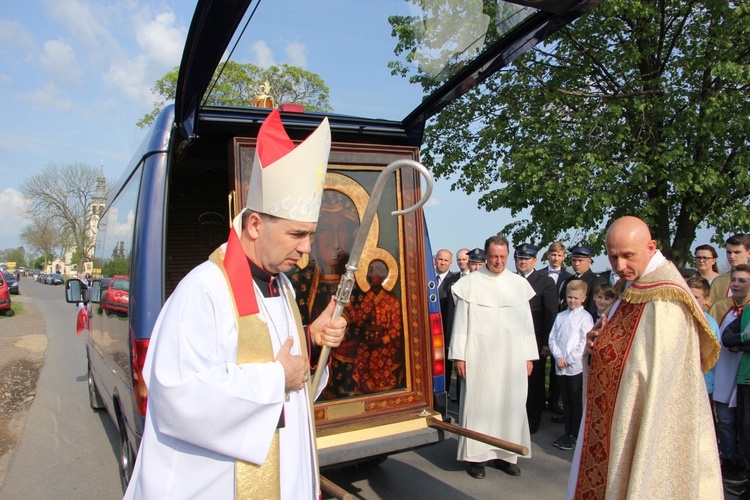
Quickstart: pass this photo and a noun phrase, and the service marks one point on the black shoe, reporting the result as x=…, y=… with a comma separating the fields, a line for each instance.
x=737, y=490
x=732, y=473
x=555, y=408
x=477, y=471
x=556, y=442
x=567, y=443
x=507, y=467
x=558, y=420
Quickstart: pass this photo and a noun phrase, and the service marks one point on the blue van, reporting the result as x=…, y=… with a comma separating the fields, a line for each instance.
x=175, y=200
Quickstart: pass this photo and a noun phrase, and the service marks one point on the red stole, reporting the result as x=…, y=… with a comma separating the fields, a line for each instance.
x=608, y=359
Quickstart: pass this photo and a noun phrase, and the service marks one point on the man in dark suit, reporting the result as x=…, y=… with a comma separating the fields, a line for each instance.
x=543, y=311
x=445, y=279
x=580, y=260
x=556, y=271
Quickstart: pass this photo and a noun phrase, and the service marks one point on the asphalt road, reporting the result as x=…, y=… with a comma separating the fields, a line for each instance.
x=67, y=451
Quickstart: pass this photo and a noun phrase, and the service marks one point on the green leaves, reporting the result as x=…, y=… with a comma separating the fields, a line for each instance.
x=641, y=107
x=240, y=84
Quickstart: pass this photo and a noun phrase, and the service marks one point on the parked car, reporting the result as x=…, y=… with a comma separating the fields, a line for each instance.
x=12, y=282
x=116, y=295
x=5, y=301
x=55, y=279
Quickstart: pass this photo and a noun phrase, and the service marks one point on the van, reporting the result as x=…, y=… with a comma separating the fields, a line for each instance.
x=175, y=200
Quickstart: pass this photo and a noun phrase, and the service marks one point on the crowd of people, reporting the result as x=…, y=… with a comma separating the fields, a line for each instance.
x=640, y=353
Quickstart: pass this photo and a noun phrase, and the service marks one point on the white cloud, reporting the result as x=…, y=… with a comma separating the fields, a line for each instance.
x=81, y=22
x=433, y=202
x=129, y=77
x=297, y=54
x=5, y=78
x=59, y=59
x=262, y=55
x=160, y=40
x=160, y=45
x=11, y=203
x=49, y=96
x=14, y=38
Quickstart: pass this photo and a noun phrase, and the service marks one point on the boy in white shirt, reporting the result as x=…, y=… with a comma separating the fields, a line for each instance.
x=566, y=343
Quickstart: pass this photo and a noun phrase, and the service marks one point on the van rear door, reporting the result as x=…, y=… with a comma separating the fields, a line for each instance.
x=386, y=375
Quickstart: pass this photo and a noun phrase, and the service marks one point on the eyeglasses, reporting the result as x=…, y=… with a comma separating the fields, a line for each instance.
x=699, y=257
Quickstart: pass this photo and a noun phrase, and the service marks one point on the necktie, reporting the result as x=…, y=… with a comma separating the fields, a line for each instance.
x=437, y=280
x=554, y=271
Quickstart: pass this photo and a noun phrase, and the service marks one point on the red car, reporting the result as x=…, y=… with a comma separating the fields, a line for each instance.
x=116, y=296
x=4, y=297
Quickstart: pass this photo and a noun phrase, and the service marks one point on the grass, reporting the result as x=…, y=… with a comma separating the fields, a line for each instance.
x=16, y=306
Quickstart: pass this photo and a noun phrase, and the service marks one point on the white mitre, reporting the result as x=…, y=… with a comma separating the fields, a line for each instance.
x=285, y=181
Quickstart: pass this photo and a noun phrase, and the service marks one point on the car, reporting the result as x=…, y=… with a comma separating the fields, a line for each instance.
x=116, y=295
x=12, y=282
x=55, y=279
x=5, y=301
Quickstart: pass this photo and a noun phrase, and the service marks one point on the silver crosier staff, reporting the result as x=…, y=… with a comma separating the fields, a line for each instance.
x=346, y=285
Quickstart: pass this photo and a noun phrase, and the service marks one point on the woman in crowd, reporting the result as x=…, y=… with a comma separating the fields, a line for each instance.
x=705, y=262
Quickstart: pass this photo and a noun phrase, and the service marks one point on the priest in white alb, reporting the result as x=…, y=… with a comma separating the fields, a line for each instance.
x=492, y=347
x=230, y=405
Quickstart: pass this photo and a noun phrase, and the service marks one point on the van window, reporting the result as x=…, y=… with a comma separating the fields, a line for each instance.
x=114, y=250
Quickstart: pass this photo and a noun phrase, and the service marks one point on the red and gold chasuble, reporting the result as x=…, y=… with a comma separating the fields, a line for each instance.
x=613, y=390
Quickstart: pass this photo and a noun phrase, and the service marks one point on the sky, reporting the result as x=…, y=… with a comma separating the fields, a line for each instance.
x=76, y=75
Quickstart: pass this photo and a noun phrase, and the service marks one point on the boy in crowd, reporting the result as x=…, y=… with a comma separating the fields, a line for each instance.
x=566, y=342
x=604, y=296
x=725, y=311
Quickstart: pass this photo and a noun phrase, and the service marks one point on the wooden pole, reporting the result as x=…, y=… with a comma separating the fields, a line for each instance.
x=334, y=490
x=478, y=436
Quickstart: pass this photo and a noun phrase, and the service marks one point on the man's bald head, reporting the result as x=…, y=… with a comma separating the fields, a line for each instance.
x=629, y=247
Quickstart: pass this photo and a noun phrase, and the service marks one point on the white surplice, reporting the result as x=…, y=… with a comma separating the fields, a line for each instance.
x=205, y=411
x=493, y=332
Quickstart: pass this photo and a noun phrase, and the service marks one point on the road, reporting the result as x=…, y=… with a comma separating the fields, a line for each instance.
x=67, y=451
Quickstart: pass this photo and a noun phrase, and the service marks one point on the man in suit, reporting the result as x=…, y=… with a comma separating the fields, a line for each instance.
x=462, y=259
x=580, y=260
x=555, y=258
x=555, y=270
x=445, y=279
x=543, y=311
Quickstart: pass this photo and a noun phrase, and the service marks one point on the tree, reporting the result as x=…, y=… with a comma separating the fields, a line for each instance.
x=640, y=107
x=45, y=236
x=63, y=195
x=239, y=84
x=17, y=255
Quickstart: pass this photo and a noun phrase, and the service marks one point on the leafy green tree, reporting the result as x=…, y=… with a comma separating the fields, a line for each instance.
x=640, y=107
x=17, y=255
x=239, y=84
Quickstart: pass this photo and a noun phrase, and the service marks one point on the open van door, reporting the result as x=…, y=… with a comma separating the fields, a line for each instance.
x=176, y=199
x=387, y=377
